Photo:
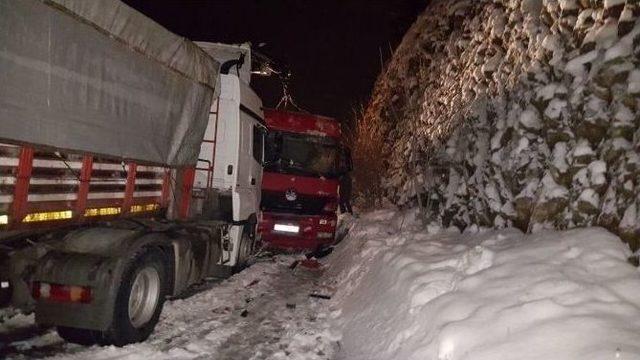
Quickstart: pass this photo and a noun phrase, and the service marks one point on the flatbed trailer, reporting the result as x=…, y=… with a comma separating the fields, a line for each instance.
x=130, y=160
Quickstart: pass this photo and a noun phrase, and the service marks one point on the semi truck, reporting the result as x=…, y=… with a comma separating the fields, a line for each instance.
x=130, y=165
x=304, y=158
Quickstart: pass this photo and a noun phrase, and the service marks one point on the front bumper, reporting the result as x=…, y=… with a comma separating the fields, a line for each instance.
x=314, y=231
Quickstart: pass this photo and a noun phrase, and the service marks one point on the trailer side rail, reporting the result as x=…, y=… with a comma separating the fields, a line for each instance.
x=40, y=188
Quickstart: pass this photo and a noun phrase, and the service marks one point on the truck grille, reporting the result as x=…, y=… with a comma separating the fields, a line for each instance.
x=304, y=205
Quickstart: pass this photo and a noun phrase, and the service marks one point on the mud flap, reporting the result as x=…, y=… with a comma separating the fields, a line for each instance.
x=97, y=272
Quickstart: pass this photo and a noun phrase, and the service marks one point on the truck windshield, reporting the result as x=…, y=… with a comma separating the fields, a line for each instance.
x=310, y=155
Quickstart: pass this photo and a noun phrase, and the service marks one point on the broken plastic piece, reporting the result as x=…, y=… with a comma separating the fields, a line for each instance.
x=320, y=296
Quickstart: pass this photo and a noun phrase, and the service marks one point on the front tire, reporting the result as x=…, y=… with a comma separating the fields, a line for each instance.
x=245, y=250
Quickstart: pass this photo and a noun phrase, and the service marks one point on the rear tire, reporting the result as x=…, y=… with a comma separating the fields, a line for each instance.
x=140, y=298
x=79, y=336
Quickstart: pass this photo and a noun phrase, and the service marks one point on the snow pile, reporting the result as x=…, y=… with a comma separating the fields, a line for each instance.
x=516, y=113
x=412, y=292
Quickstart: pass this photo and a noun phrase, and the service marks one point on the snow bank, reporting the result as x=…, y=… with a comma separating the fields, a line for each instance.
x=411, y=292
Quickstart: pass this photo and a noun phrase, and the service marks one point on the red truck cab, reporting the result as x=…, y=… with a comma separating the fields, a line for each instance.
x=300, y=181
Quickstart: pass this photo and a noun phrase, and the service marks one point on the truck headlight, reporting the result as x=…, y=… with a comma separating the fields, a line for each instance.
x=287, y=228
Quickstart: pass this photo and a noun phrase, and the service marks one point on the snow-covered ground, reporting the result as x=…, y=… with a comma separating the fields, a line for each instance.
x=263, y=312
x=400, y=290
x=407, y=291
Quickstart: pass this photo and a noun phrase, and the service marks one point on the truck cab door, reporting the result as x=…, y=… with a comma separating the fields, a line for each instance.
x=249, y=177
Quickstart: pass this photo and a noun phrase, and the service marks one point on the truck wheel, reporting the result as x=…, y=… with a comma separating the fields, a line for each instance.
x=79, y=336
x=140, y=298
x=245, y=250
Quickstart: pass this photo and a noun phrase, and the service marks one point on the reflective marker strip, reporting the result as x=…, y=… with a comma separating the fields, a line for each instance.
x=48, y=216
x=108, y=211
x=141, y=208
x=4, y=284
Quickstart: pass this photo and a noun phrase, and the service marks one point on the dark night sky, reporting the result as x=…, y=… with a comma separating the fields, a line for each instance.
x=331, y=46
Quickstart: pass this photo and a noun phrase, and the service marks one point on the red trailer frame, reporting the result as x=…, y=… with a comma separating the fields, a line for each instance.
x=44, y=188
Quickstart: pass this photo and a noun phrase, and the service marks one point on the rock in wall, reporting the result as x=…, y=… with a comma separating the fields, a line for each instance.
x=516, y=113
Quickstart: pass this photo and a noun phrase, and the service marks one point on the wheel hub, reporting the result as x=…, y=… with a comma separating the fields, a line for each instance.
x=144, y=296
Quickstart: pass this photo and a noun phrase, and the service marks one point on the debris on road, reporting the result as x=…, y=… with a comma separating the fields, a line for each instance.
x=320, y=296
x=320, y=253
x=253, y=282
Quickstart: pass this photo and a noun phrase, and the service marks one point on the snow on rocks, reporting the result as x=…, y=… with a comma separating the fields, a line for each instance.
x=530, y=120
x=484, y=295
x=516, y=89
x=634, y=82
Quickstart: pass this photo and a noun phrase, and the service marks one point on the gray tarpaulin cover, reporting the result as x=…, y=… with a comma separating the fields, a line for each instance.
x=98, y=76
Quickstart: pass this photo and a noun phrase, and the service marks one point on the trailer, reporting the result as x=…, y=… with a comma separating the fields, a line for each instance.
x=130, y=164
